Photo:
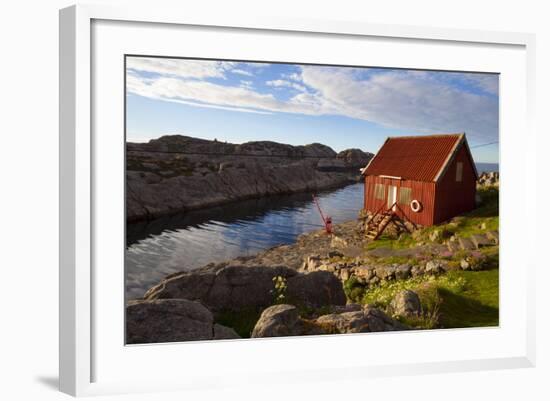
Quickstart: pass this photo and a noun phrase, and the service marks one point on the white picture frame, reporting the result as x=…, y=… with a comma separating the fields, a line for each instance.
x=82, y=345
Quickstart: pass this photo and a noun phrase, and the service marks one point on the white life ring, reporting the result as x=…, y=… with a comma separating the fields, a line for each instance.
x=416, y=206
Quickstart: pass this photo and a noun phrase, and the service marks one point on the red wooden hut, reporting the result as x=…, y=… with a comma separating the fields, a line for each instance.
x=425, y=179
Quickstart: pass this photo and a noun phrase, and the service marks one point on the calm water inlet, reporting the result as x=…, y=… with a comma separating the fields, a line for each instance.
x=177, y=243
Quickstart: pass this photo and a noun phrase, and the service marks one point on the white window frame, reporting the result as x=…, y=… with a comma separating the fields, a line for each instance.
x=459, y=171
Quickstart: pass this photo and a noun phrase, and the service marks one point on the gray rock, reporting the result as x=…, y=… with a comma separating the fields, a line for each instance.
x=466, y=244
x=344, y=274
x=403, y=272
x=417, y=270
x=385, y=272
x=223, y=287
x=368, y=319
x=224, y=333
x=234, y=287
x=434, y=267
x=355, y=158
x=346, y=308
x=493, y=236
x=406, y=303
x=283, y=320
x=316, y=289
x=347, y=322
x=213, y=173
x=335, y=254
x=169, y=320
x=363, y=271
x=331, y=165
x=278, y=321
x=481, y=241
x=453, y=246
x=313, y=262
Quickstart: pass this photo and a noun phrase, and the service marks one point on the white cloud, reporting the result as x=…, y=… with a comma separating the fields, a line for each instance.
x=242, y=72
x=404, y=100
x=182, y=68
x=415, y=101
x=280, y=83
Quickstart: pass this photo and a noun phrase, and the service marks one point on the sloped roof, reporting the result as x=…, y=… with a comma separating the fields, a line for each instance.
x=419, y=158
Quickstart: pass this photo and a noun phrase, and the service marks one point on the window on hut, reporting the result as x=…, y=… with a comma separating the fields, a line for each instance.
x=404, y=196
x=379, y=191
x=458, y=171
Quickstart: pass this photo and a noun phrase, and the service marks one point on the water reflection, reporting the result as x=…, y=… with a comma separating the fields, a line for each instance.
x=185, y=242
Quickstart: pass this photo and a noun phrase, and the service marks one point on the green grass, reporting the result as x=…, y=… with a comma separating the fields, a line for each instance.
x=476, y=305
x=386, y=241
x=486, y=213
x=455, y=299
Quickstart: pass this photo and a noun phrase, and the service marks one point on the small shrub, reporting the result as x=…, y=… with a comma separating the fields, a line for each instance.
x=354, y=290
x=279, y=291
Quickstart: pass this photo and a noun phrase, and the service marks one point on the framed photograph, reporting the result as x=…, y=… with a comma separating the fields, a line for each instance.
x=277, y=195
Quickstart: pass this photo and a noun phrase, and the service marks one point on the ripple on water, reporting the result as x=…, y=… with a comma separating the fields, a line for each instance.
x=182, y=243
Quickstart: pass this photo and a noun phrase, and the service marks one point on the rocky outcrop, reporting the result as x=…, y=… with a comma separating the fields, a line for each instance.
x=284, y=320
x=178, y=173
x=235, y=287
x=407, y=304
x=489, y=179
x=170, y=320
x=281, y=321
x=368, y=319
x=355, y=158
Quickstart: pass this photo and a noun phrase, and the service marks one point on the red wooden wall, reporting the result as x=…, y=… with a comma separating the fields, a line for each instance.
x=440, y=201
x=453, y=198
x=424, y=192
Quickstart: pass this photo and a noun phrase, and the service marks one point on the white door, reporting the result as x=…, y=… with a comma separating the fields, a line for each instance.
x=392, y=196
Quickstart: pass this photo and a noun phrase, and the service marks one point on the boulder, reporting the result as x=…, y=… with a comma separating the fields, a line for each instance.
x=316, y=289
x=169, y=320
x=403, y=272
x=366, y=272
x=278, y=321
x=368, y=319
x=434, y=267
x=224, y=333
x=385, y=272
x=222, y=287
x=234, y=287
x=406, y=303
x=466, y=244
x=481, y=241
x=283, y=320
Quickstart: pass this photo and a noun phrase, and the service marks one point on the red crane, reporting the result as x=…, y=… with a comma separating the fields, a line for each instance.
x=326, y=220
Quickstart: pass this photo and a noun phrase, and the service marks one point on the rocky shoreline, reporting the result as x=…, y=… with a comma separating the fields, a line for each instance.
x=305, y=288
x=175, y=174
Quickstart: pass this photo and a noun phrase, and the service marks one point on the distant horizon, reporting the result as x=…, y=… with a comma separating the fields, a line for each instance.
x=341, y=107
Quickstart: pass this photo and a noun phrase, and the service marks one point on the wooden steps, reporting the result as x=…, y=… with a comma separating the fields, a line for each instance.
x=375, y=226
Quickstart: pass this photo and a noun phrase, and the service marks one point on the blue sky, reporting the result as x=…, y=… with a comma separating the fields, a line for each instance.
x=343, y=107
